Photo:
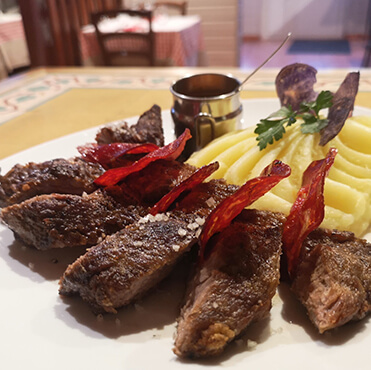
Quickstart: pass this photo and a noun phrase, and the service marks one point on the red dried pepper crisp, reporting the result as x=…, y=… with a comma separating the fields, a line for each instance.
x=307, y=212
x=196, y=178
x=108, y=153
x=232, y=206
x=168, y=152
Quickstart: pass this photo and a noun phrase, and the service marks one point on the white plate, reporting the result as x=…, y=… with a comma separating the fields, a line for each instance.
x=40, y=330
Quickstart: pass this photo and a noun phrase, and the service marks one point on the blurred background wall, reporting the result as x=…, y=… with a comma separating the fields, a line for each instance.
x=306, y=19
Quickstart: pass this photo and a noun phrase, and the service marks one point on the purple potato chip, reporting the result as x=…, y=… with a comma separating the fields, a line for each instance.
x=294, y=85
x=342, y=107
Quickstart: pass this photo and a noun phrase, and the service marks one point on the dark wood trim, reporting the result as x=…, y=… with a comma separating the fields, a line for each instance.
x=52, y=26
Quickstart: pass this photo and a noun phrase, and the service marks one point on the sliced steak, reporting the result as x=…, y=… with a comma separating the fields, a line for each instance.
x=233, y=287
x=333, y=278
x=75, y=176
x=64, y=220
x=66, y=176
x=127, y=264
x=205, y=197
x=148, y=129
x=141, y=254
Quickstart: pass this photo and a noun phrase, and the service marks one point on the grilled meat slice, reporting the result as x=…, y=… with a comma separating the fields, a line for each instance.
x=205, y=197
x=127, y=264
x=66, y=176
x=148, y=129
x=156, y=242
x=333, y=278
x=57, y=221
x=64, y=220
x=233, y=287
x=75, y=176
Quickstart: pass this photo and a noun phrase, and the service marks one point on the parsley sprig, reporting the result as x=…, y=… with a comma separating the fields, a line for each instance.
x=273, y=127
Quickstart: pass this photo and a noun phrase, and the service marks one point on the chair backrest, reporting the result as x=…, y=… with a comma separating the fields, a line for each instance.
x=180, y=7
x=52, y=28
x=132, y=46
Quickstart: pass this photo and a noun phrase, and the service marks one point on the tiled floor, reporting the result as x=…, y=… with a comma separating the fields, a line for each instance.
x=253, y=53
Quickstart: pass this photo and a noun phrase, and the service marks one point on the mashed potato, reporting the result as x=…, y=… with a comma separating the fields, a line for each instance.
x=347, y=188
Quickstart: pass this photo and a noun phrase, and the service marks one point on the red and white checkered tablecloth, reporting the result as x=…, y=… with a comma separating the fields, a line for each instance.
x=13, y=47
x=178, y=40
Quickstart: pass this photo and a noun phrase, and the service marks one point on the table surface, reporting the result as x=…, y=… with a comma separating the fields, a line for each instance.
x=45, y=104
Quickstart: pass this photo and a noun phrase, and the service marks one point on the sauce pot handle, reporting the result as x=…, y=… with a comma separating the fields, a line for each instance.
x=203, y=119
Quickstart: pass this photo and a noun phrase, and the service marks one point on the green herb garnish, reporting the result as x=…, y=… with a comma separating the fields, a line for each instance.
x=273, y=127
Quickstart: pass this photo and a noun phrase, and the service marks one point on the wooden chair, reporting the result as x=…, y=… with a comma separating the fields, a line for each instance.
x=126, y=47
x=52, y=28
x=180, y=7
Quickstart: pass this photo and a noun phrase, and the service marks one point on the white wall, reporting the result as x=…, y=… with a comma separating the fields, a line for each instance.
x=250, y=15
x=307, y=19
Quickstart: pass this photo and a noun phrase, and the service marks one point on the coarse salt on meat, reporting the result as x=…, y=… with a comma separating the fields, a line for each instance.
x=193, y=226
x=175, y=247
x=200, y=220
x=161, y=217
x=182, y=232
x=144, y=220
x=211, y=202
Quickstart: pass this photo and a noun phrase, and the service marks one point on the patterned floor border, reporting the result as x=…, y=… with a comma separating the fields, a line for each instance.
x=43, y=89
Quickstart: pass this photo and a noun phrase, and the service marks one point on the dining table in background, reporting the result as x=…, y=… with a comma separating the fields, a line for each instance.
x=13, y=46
x=46, y=104
x=178, y=40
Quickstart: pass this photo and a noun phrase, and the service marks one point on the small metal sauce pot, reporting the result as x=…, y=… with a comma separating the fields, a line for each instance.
x=208, y=104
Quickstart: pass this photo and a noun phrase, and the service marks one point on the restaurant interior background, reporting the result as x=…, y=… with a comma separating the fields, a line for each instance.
x=239, y=33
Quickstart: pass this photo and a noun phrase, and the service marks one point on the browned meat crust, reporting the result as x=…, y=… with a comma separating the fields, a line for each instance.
x=182, y=228
x=57, y=221
x=63, y=220
x=127, y=264
x=233, y=287
x=333, y=279
x=66, y=176
x=205, y=197
x=75, y=176
x=148, y=129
